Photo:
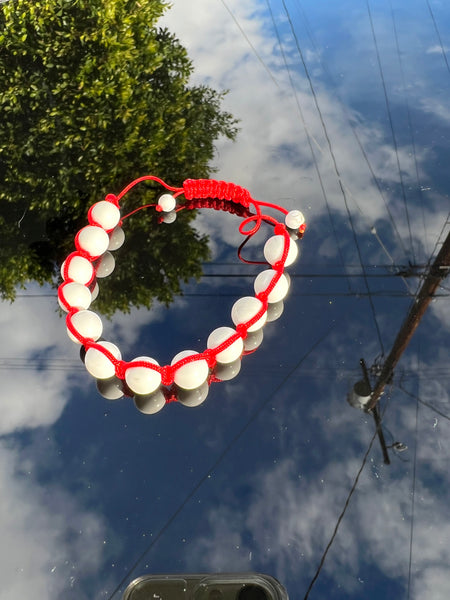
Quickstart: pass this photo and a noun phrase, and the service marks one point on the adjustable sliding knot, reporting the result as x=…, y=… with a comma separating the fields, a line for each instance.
x=210, y=188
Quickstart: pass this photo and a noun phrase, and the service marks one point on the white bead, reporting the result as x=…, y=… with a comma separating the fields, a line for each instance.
x=273, y=250
x=93, y=239
x=143, y=380
x=76, y=296
x=274, y=311
x=194, y=397
x=88, y=324
x=191, y=375
x=149, y=404
x=246, y=308
x=99, y=365
x=279, y=291
x=105, y=265
x=105, y=214
x=94, y=292
x=169, y=217
x=253, y=340
x=294, y=219
x=116, y=238
x=232, y=352
x=167, y=202
x=111, y=389
x=229, y=371
x=80, y=270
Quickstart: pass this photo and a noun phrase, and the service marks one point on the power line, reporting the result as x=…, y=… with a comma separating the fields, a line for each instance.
x=341, y=516
x=255, y=52
x=394, y=139
x=216, y=463
x=330, y=149
x=411, y=533
x=410, y=127
x=357, y=138
x=444, y=54
x=308, y=137
x=425, y=403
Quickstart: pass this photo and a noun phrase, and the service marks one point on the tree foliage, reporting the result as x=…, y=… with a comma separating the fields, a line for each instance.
x=93, y=94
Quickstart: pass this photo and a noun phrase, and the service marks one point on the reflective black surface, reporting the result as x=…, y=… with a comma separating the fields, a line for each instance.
x=94, y=493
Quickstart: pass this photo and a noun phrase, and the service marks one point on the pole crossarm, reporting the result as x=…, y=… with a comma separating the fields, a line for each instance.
x=437, y=272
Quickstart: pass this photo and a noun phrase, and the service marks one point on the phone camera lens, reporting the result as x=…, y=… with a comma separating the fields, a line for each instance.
x=251, y=592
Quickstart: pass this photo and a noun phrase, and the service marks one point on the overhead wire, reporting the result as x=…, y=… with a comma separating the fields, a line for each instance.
x=247, y=39
x=410, y=125
x=444, y=54
x=345, y=507
x=218, y=461
x=358, y=141
x=308, y=137
x=336, y=169
x=413, y=496
x=424, y=402
x=391, y=124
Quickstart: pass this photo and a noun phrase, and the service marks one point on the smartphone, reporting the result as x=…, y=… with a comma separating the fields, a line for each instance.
x=219, y=586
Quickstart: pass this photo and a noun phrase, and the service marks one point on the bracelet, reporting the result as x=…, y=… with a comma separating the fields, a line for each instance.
x=189, y=371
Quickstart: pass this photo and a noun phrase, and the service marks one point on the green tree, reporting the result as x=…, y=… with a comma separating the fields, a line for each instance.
x=93, y=94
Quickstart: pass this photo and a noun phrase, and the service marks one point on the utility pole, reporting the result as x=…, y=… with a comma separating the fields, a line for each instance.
x=376, y=416
x=438, y=271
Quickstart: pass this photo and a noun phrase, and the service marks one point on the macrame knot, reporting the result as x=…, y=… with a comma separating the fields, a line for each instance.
x=279, y=229
x=167, y=373
x=210, y=358
x=241, y=329
x=113, y=199
x=120, y=369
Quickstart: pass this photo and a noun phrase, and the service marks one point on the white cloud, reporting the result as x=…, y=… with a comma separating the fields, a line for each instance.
x=49, y=542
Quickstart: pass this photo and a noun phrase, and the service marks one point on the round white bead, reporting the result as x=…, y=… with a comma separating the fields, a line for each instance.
x=246, y=308
x=273, y=250
x=143, y=380
x=105, y=265
x=279, y=291
x=194, y=397
x=88, y=324
x=93, y=239
x=228, y=371
x=99, y=365
x=253, y=340
x=191, y=375
x=149, y=404
x=111, y=389
x=76, y=295
x=116, y=238
x=105, y=214
x=80, y=270
x=294, y=219
x=274, y=311
x=167, y=202
x=169, y=217
x=94, y=292
x=231, y=353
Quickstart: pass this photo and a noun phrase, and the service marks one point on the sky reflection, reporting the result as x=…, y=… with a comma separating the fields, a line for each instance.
x=87, y=485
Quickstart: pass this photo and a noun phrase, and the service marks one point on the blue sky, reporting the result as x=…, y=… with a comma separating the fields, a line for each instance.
x=87, y=484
